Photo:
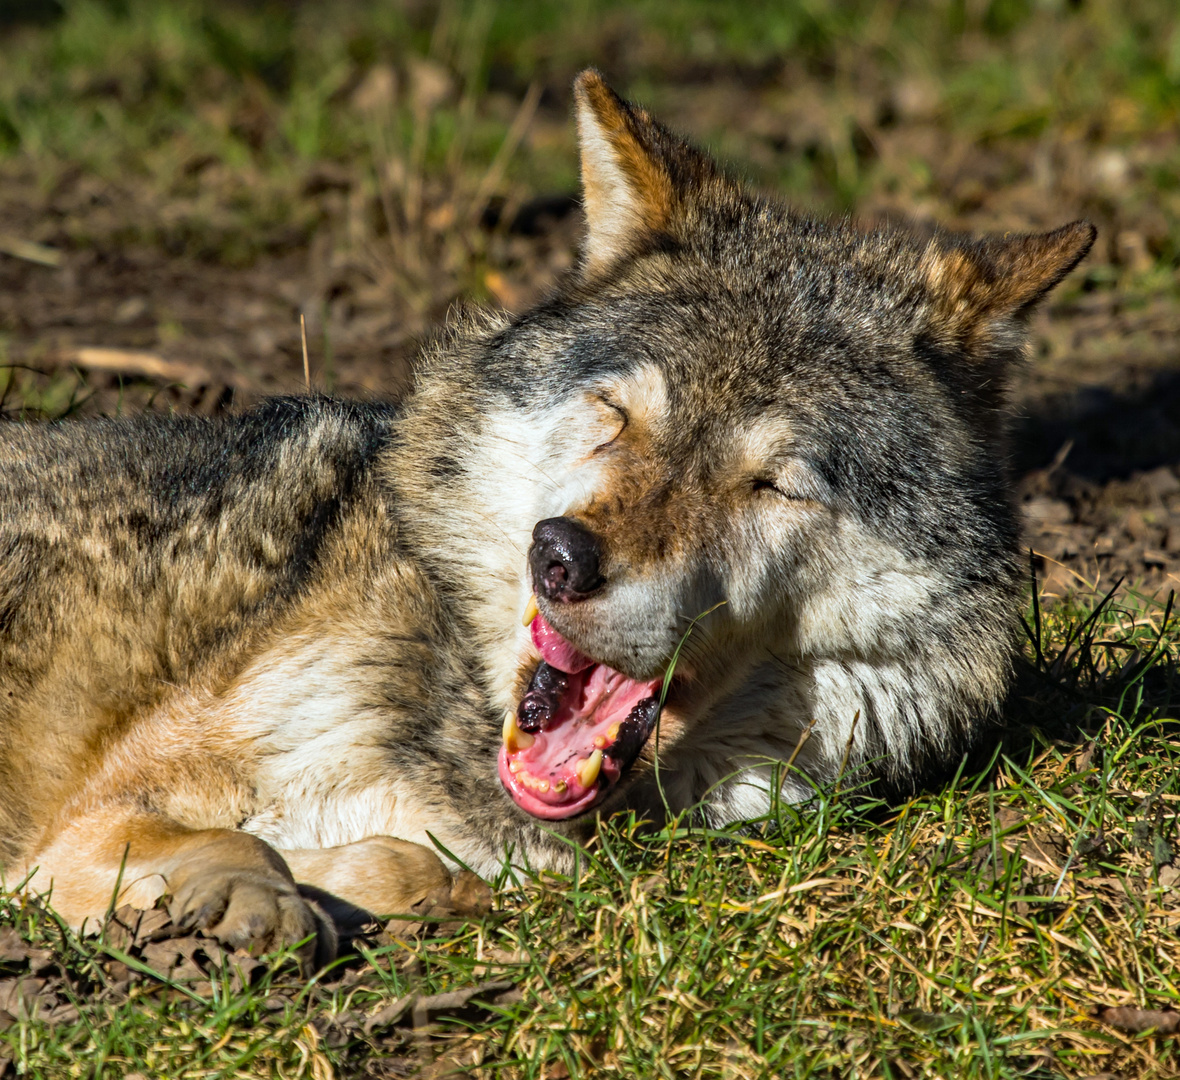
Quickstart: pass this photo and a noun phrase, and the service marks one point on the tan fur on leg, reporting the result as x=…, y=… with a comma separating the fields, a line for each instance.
x=382, y=875
x=225, y=883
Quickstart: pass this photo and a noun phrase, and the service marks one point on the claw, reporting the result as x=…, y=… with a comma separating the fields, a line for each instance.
x=514, y=738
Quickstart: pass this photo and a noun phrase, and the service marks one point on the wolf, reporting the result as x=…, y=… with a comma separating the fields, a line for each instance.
x=295, y=652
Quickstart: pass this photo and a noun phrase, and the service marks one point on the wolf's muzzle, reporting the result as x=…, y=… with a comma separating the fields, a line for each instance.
x=564, y=560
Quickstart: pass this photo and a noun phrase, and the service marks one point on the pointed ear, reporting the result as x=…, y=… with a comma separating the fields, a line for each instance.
x=979, y=281
x=634, y=173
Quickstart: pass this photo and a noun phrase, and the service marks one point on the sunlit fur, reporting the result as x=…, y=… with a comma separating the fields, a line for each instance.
x=299, y=628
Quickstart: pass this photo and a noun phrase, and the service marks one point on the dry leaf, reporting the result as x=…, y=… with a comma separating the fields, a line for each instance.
x=390, y=1014
x=470, y=895
x=457, y=999
x=15, y=950
x=135, y=362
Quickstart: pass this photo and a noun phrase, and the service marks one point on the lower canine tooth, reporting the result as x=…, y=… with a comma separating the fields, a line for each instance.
x=531, y=611
x=589, y=768
x=514, y=738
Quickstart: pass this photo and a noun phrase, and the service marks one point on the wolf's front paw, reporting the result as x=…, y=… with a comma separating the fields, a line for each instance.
x=253, y=910
x=380, y=874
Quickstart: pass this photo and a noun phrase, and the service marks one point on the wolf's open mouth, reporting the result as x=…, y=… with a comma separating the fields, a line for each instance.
x=576, y=731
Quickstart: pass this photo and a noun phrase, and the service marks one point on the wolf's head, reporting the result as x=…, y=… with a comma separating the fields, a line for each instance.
x=795, y=426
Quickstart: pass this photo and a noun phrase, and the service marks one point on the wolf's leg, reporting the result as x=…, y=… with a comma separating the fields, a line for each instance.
x=225, y=883
x=379, y=874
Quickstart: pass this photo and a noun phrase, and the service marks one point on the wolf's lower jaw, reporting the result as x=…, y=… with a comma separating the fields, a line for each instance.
x=573, y=745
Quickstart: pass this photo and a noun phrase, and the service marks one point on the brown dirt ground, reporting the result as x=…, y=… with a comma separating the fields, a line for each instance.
x=138, y=954
x=1096, y=414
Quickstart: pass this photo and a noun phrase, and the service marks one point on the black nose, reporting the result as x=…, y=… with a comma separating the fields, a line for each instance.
x=564, y=560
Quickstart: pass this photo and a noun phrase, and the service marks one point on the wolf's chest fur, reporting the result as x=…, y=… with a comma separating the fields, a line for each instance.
x=766, y=447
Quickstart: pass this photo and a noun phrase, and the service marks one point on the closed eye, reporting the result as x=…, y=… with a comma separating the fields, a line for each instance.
x=790, y=478
x=620, y=415
x=773, y=487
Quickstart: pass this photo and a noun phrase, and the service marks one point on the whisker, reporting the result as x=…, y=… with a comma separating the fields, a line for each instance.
x=521, y=455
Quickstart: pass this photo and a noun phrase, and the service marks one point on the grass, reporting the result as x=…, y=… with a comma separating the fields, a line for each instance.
x=260, y=93
x=384, y=142
x=970, y=932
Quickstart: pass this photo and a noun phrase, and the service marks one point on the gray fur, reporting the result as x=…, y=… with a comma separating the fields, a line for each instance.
x=800, y=420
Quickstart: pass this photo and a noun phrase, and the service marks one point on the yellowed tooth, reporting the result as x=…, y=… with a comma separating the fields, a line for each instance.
x=599, y=741
x=531, y=611
x=514, y=738
x=559, y=786
x=589, y=768
x=612, y=732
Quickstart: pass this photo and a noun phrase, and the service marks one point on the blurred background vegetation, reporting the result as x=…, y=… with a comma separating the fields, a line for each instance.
x=390, y=141
x=180, y=182
x=219, y=117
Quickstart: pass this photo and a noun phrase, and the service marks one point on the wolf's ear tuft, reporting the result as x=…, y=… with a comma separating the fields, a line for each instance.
x=634, y=173
x=978, y=281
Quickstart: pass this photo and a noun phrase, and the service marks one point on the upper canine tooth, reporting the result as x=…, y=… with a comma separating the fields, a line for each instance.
x=588, y=769
x=514, y=738
x=531, y=611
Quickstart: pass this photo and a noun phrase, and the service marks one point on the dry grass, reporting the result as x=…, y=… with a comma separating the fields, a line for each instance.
x=975, y=931
x=971, y=932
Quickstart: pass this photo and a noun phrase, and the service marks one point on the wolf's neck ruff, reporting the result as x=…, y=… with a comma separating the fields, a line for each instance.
x=596, y=722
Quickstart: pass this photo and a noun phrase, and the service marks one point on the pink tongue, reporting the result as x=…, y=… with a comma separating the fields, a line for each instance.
x=555, y=650
x=543, y=777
